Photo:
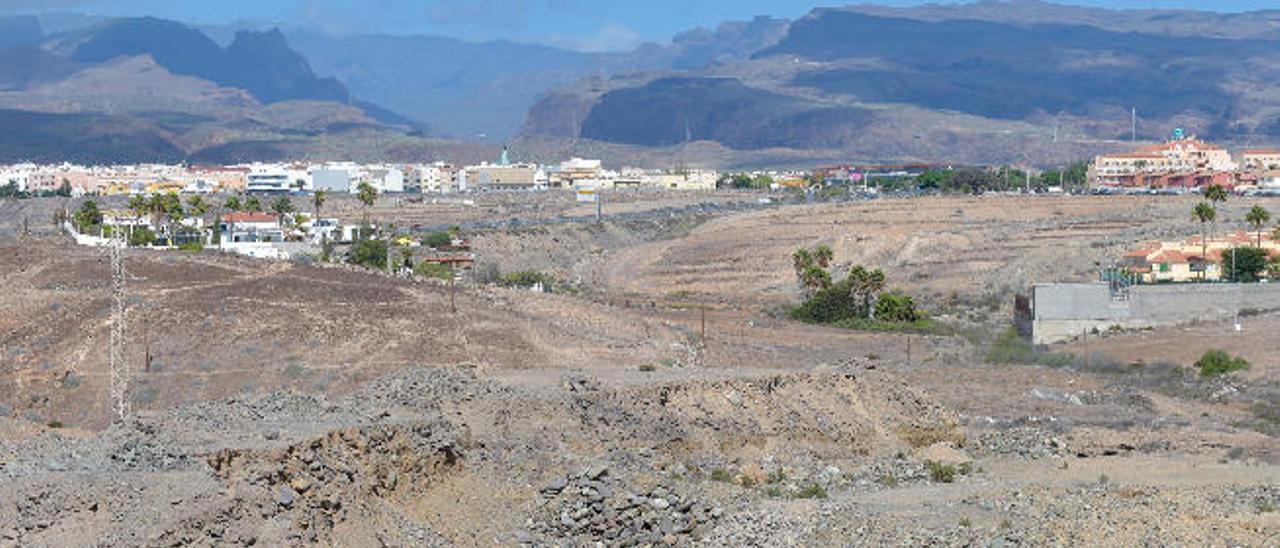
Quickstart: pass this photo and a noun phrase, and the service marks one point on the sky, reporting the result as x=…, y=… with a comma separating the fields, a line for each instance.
x=588, y=25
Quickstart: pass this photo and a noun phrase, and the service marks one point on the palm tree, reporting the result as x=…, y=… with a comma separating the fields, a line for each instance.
x=1215, y=193
x=282, y=207
x=864, y=285
x=1258, y=216
x=198, y=207
x=367, y=195
x=822, y=255
x=1206, y=214
x=317, y=200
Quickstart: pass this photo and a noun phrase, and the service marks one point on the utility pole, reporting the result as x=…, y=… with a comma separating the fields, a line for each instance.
x=453, y=307
x=119, y=375
x=599, y=204
x=908, y=349
x=704, y=324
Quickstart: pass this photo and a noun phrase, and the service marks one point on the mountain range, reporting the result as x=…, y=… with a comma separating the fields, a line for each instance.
x=1023, y=81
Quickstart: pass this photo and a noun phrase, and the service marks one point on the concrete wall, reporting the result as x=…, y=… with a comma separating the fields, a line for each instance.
x=1064, y=311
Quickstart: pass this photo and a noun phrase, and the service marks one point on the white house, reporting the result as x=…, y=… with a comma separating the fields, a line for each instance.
x=251, y=227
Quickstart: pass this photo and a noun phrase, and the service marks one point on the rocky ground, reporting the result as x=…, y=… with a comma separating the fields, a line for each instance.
x=292, y=404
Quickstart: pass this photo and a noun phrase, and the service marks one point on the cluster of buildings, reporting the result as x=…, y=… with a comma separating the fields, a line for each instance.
x=1192, y=259
x=301, y=177
x=1185, y=163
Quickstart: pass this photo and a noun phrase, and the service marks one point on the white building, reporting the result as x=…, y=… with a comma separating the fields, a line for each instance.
x=278, y=178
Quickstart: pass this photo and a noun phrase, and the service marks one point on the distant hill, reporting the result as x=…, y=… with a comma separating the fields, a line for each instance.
x=259, y=62
x=483, y=90
x=973, y=83
x=146, y=89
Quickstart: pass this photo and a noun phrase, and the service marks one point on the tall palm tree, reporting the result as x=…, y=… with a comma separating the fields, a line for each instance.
x=1215, y=194
x=1258, y=216
x=317, y=200
x=1206, y=214
x=367, y=195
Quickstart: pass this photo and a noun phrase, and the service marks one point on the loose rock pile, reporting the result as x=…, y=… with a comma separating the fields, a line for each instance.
x=592, y=506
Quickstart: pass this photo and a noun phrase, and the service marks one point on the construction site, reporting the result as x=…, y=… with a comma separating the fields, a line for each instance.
x=660, y=394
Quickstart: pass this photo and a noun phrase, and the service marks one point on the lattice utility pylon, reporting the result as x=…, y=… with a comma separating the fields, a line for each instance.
x=119, y=363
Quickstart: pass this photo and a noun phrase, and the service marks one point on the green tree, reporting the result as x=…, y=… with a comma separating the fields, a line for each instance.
x=896, y=307
x=165, y=210
x=811, y=269
x=427, y=269
x=1245, y=264
x=369, y=253
x=282, y=207
x=317, y=201
x=253, y=204
x=233, y=203
x=935, y=179
x=437, y=240
x=1205, y=214
x=87, y=217
x=139, y=206
x=1258, y=217
x=864, y=286
x=367, y=195
x=1215, y=193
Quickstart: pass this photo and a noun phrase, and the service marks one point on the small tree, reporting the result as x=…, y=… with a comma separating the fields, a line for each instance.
x=253, y=204
x=436, y=240
x=369, y=253
x=1244, y=264
x=1217, y=362
x=1258, y=217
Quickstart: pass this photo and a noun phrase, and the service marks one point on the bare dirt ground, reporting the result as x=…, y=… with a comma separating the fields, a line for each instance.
x=292, y=404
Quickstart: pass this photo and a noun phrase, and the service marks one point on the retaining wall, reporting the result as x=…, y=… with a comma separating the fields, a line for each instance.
x=1064, y=311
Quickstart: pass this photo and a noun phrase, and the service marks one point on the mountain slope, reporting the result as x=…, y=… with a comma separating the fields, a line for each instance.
x=925, y=86
x=483, y=91
x=259, y=62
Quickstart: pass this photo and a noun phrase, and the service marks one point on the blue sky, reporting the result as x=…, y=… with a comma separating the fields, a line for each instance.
x=578, y=24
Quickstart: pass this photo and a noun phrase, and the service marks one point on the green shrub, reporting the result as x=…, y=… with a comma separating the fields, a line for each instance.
x=437, y=240
x=830, y=305
x=896, y=307
x=811, y=491
x=369, y=254
x=722, y=475
x=648, y=368
x=1217, y=362
x=528, y=278
x=889, y=480
x=433, y=270
x=191, y=246
x=940, y=473
x=141, y=236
